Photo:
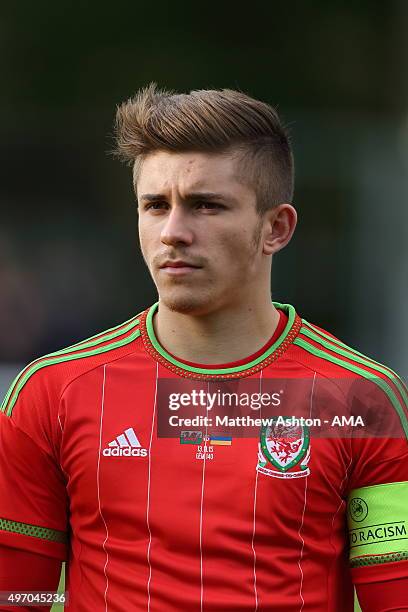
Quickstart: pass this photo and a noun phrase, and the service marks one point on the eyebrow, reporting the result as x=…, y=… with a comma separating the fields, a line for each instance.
x=208, y=195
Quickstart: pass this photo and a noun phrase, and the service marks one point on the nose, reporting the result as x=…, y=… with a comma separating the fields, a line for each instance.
x=176, y=229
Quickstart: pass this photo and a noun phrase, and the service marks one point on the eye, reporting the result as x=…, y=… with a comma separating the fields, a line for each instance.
x=155, y=205
x=209, y=205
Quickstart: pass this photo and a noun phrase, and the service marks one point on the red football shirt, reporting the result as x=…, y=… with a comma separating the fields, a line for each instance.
x=228, y=513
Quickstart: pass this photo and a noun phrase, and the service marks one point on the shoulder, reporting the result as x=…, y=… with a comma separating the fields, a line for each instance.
x=334, y=355
x=45, y=377
x=361, y=376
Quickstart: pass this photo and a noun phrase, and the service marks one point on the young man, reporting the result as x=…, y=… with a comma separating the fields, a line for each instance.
x=119, y=454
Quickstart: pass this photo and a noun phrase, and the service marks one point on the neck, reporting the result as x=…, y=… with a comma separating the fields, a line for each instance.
x=226, y=335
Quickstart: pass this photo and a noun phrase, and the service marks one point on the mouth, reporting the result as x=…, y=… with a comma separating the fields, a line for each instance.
x=178, y=268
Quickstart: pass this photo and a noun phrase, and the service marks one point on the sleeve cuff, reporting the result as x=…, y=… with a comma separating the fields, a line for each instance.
x=380, y=572
x=57, y=550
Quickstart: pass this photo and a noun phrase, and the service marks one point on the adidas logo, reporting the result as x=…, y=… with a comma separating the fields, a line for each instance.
x=125, y=445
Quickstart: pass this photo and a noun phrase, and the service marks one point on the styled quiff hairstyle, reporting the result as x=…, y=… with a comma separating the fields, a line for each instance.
x=209, y=120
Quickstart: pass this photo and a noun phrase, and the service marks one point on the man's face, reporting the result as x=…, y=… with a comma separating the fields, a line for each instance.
x=199, y=230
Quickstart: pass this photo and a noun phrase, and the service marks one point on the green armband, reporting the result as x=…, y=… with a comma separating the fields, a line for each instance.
x=378, y=524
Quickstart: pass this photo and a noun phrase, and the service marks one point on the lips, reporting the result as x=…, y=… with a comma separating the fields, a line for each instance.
x=178, y=268
x=178, y=264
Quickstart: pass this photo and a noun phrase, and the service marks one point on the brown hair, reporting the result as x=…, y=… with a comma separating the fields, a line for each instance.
x=218, y=121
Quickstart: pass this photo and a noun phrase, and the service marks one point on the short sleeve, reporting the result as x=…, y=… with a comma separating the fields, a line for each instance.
x=377, y=508
x=33, y=498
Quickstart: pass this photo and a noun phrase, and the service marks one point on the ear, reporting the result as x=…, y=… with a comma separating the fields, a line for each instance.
x=280, y=223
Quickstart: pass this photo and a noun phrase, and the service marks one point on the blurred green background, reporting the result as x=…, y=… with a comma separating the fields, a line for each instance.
x=69, y=259
x=337, y=72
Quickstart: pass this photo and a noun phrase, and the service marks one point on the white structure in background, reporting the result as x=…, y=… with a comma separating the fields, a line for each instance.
x=380, y=269
x=8, y=371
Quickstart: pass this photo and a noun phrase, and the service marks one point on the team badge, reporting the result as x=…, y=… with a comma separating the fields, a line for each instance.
x=284, y=450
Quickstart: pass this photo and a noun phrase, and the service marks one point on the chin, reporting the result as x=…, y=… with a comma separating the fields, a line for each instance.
x=186, y=302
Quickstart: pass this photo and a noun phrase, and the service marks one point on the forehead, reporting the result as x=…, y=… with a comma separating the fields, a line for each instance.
x=162, y=170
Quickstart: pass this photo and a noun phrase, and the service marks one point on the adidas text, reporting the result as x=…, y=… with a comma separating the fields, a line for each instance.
x=125, y=452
